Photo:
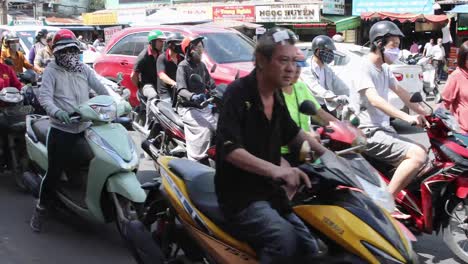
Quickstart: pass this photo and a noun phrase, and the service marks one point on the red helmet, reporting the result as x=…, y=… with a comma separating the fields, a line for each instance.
x=64, y=38
x=187, y=41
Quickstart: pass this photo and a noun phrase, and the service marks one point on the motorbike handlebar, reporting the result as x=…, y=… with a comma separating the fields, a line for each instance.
x=206, y=102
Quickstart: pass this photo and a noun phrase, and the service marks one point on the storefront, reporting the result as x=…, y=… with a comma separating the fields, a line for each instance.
x=346, y=25
x=303, y=19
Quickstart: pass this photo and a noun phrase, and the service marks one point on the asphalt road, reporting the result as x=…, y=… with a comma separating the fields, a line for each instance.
x=82, y=242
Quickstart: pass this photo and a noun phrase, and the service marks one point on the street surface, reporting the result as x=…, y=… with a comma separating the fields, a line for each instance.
x=81, y=242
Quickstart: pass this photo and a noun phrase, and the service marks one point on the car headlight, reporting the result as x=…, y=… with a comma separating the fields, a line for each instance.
x=106, y=113
x=380, y=255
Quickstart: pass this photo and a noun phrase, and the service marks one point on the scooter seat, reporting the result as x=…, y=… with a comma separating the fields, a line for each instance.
x=41, y=129
x=199, y=180
x=166, y=110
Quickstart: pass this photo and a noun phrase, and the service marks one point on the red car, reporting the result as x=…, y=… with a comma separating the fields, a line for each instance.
x=228, y=53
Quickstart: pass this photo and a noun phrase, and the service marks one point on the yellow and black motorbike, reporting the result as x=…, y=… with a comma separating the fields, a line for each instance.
x=184, y=215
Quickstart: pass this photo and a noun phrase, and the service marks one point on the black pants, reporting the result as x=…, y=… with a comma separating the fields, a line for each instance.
x=62, y=150
x=276, y=238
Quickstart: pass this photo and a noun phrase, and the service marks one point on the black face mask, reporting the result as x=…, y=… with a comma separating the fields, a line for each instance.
x=195, y=56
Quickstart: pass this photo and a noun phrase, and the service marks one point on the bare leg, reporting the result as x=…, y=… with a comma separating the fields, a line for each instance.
x=414, y=160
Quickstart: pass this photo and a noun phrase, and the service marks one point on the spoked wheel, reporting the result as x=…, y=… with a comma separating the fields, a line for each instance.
x=136, y=236
x=456, y=232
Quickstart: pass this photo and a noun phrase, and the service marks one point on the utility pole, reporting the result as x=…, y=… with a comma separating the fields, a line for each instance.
x=4, y=12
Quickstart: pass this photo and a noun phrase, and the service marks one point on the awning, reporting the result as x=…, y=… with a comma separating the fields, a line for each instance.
x=343, y=22
x=460, y=9
x=404, y=17
x=78, y=28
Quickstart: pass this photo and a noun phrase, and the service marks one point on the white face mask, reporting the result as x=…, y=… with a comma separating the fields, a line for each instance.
x=391, y=55
x=44, y=41
x=14, y=46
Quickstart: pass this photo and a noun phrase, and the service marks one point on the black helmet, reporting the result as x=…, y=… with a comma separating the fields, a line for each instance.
x=383, y=29
x=322, y=42
x=41, y=34
x=174, y=37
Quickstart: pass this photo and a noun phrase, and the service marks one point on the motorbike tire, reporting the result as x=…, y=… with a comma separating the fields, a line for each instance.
x=452, y=208
x=142, y=247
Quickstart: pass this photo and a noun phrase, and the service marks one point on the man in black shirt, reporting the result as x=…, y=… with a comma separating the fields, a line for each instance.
x=167, y=67
x=199, y=122
x=144, y=72
x=253, y=125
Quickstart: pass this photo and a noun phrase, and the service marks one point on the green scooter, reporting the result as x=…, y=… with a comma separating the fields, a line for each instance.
x=101, y=183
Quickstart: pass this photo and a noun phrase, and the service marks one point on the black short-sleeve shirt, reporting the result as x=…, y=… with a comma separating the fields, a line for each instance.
x=146, y=66
x=243, y=124
x=166, y=64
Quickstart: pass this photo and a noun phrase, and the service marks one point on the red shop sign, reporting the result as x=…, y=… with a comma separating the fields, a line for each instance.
x=241, y=13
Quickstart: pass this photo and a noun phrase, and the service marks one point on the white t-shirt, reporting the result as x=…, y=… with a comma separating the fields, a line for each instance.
x=382, y=80
x=446, y=36
x=438, y=52
x=428, y=48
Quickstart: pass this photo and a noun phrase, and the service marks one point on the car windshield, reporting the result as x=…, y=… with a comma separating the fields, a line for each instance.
x=27, y=37
x=220, y=48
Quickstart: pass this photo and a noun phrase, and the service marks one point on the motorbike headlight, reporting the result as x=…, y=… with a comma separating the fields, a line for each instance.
x=380, y=255
x=12, y=97
x=106, y=113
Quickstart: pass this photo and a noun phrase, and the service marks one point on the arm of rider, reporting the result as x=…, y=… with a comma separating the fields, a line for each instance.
x=135, y=77
x=243, y=159
x=326, y=117
x=166, y=79
x=378, y=102
x=405, y=97
x=318, y=90
x=94, y=82
x=182, y=87
x=46, y=93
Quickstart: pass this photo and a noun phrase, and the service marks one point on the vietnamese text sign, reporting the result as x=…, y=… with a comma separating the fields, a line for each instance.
x=202, y=12
x=241, y=13
x=334, y=7
x=287, y=13
x=110, y=31
x=395, y=6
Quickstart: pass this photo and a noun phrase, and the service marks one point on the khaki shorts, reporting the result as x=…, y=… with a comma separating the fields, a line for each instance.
x=384, y=144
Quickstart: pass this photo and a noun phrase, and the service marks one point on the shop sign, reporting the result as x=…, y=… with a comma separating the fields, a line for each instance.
x=287, y=13
x=240, y=13
x=202, y=12
x=110, y=31
x=127, y=16
x=333, y=7
x=395, y=6
x=101, y=18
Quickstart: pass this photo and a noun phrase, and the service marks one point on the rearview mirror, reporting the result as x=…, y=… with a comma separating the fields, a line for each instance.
x=125, y=94
x=196, y=81
x=416, y=98
x=308, y=108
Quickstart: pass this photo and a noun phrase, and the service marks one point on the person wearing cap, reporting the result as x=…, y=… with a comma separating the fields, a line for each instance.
x=330, y=90
x=296, y=93
x=12, y=56
x=252, y=127
x=66, y=83
x=144, y=74
x=373, y=84
x=46, y=55
x=199, y=122
x=40, y=43
x=167, y=67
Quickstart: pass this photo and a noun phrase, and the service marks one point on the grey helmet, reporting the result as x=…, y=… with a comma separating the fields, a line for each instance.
x=383, y=29
x=322, y=42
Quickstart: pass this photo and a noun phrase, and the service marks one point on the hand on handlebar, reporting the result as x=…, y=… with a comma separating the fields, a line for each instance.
x=293, y=177
x=341, y=99
x=198, y=98
x=417, y=120
x=63, y=116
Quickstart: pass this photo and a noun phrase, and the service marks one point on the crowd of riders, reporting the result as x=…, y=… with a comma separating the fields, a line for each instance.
x=259, y=129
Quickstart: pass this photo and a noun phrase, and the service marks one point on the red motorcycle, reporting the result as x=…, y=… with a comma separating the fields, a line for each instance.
x=166, y=136
x=437, y=199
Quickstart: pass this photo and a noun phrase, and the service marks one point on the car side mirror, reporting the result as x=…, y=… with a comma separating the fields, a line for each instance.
x=416, y=98
x=308, y=108
x=196, y=81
